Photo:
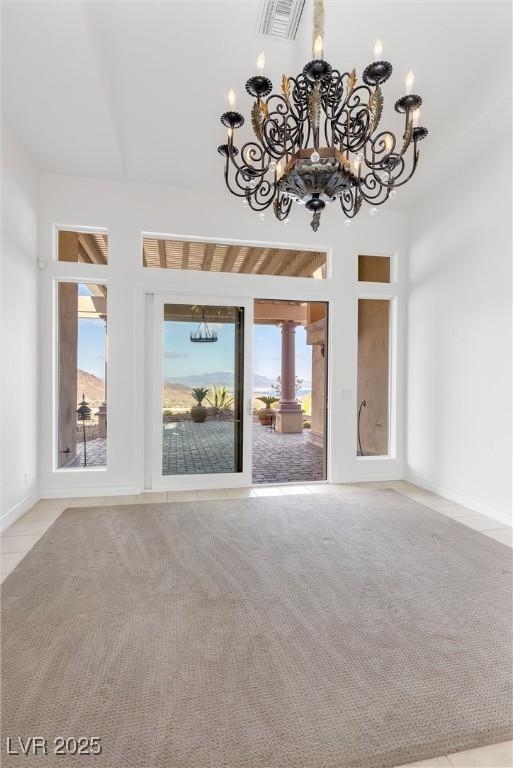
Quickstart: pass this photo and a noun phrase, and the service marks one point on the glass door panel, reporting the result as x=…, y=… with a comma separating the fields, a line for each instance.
x=200, y=395
x=202, y=390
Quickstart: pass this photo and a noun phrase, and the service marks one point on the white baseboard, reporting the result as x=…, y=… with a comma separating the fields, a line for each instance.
x=19, y=509
x=83, y=491
x=453, y=494
x=374, y=477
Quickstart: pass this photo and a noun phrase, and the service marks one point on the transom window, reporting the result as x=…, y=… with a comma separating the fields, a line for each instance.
x=239, y=259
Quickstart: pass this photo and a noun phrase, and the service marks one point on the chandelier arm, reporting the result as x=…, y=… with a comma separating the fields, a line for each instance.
x=343, y=100
x=382, y=154
x=250, y=170
x=371, y=187
x=276, y=124
x=395, y=169
x=351, y=129
x=246, y=191
x=277, y=145
x=413, y=169
x=239, y=175
x=282, y=205
x=333, y=93
x=350, y=202
x=263, y=196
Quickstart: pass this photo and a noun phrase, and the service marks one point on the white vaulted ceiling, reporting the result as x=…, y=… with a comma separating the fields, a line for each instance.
x=134, y=90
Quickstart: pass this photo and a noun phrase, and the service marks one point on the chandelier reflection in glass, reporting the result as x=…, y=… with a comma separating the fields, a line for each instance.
x=318, y=140
x=203, y=334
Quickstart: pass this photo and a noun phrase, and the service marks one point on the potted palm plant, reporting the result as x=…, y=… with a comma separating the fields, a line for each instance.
x=198, y=411
x=265, y=414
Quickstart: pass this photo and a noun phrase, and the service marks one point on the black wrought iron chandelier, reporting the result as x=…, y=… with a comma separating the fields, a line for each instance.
x=318, y=140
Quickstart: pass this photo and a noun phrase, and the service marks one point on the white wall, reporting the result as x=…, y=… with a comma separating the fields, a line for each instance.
x=128, y=209
x=459, y=336
x=19, y=318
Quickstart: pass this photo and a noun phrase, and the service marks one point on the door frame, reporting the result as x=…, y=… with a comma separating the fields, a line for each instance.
x=155, y=478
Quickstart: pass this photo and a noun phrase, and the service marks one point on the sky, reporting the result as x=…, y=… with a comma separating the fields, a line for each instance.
x=91, y=346
x=267, y=352
x=184, y=358
x=91, y=341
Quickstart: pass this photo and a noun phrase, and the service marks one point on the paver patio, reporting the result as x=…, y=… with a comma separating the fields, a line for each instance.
x=206, y=448
x=285, y=458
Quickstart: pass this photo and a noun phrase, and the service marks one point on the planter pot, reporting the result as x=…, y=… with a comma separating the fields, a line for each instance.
x=265, y=416
x=198, y=413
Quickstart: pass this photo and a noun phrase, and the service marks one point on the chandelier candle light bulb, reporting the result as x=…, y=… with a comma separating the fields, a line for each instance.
x=305, y=132
x=317, y=47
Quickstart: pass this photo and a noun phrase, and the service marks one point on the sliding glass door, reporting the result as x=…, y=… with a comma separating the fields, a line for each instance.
x=201, y=434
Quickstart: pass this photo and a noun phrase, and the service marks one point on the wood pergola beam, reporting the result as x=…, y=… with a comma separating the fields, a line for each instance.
x=161, y=245
x=308, y=268
x=185, y=255
x=230, y=258
x=278, y=262
x=298, y=262
x=250, y=260
x=89, y=246
x=207, y=259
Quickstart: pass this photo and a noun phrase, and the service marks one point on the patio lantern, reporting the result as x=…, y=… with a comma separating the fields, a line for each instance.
x=203, y=334
x=84, y=415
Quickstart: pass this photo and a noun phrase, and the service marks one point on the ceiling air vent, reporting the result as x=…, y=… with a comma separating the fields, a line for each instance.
x=280, y=18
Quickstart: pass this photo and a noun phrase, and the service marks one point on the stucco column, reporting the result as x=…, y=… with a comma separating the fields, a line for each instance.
x=289, y=416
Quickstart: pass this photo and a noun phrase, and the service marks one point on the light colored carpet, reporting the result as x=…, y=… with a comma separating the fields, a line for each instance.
x=284, y=632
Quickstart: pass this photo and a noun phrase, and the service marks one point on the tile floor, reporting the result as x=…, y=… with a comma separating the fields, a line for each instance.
x=20, y=537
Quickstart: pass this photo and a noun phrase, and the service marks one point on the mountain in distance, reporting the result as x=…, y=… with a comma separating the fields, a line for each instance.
x=91, y=386
x=223, y=378
x=262, y=383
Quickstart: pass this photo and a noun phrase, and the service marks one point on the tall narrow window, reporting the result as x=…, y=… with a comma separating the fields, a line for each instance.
x=82, y=247
x=373, y=377
x=82, y=375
